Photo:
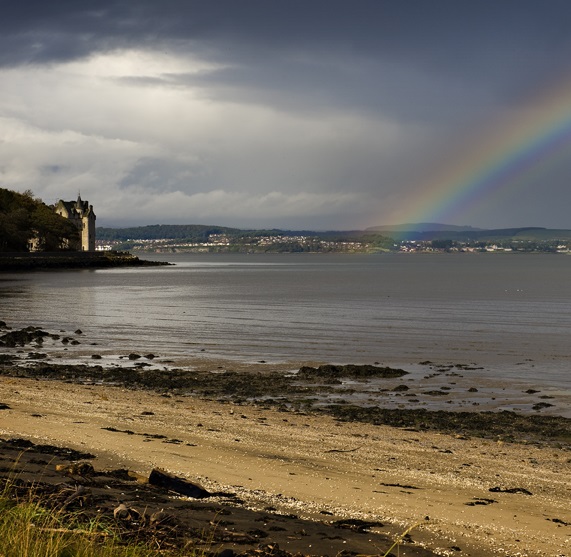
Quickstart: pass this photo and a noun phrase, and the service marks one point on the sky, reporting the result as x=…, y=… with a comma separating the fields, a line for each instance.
x=292, y=114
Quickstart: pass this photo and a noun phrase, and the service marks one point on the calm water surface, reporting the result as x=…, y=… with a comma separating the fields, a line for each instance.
x=509, y=313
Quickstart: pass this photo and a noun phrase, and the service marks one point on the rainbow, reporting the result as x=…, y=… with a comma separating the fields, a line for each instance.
x=510, y=155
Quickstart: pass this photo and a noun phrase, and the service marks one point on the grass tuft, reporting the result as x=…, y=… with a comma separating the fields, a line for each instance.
x=27, y=529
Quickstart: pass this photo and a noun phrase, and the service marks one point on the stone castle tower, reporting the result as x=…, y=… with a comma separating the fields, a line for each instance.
x=82, y=215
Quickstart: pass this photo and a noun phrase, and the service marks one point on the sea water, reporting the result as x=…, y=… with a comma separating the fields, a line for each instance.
x=509, y=313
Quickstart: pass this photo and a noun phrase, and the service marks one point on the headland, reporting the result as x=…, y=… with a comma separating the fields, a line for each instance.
x=26, y=261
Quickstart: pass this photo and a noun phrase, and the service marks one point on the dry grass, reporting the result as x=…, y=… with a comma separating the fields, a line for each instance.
x=27, y=529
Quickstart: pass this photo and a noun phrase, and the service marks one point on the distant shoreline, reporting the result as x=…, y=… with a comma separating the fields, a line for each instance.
x=71, y=260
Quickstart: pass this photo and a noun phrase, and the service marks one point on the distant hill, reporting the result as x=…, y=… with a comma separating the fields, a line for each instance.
x=530, y=234
x=422, y=227
x=435, y=231
x=201, y=233
x=222, y=239
x=195, y=232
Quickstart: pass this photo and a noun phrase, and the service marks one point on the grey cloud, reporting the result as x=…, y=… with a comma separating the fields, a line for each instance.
x=418, y=60
x=300, y=98
x=443, y=36
x=159, y=175
x=365, y=87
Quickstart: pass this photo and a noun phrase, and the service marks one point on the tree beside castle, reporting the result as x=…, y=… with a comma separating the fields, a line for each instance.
x=28, y=224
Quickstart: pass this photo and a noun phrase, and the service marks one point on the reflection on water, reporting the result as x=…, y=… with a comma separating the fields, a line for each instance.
x=507, y=312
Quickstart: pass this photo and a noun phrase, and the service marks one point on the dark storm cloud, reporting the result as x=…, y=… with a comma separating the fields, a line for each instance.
x=328, y=106
x=417, y=60
x=463, y=40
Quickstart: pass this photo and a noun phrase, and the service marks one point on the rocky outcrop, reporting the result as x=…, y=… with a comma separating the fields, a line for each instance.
x=351, y=371
x=25, y=336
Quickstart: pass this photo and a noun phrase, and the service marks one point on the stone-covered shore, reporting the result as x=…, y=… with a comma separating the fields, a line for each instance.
x=284, y=476
x=306, y=390
x=287, y=393
x=71, y=260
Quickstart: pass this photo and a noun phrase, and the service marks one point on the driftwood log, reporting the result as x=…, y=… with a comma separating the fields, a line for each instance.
x=181, y=486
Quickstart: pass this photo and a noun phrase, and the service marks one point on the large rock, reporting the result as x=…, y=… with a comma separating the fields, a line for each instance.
x=24, y=336
x=168, y=481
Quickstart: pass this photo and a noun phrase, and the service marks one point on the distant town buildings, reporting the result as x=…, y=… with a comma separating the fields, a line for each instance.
x=294, y=243
x=81, y=214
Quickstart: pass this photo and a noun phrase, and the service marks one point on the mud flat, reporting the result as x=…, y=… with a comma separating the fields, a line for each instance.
x=283, y=469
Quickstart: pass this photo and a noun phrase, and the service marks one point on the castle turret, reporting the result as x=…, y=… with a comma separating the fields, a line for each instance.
x=81, y=214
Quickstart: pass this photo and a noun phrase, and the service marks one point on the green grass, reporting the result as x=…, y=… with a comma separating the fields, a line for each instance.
x=28, y=529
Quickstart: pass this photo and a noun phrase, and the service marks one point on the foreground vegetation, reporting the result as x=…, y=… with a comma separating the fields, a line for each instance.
x=27, y=529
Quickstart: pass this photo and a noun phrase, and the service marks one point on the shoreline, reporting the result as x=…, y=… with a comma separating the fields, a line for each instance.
x=26, y=261
x=288, y=392
x=304, y=464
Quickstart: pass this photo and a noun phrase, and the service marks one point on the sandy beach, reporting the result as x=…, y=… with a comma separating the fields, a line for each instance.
x=482, y=497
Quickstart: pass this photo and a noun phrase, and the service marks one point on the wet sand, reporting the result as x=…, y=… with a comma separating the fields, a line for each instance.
x=482, y=496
